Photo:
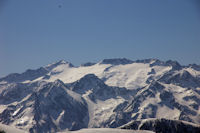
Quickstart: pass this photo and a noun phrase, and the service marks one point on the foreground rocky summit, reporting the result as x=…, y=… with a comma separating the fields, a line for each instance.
x=163, y=126
x=107, y=94
x=107, y=130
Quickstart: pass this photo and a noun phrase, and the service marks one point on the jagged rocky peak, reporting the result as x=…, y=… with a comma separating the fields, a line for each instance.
x=13, y=92
x=61, y=62
x=50, y=108
x=27, y=75
x=88, y=64
x=89, y=81
x=157, y=62
x=182, y=78
x=31, y=74
x=174, y=64
x=184, y=74
x=194, y=66
x=116, y=61
x=58, y=83
x=89, y=78
x=150, y=60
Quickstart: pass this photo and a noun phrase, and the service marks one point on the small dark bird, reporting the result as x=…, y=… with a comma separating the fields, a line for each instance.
x=59, y=6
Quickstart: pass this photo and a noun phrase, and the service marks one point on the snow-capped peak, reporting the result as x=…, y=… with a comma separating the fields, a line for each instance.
x=61, y=62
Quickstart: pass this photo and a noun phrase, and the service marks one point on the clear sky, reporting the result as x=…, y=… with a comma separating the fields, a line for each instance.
x=34, y=33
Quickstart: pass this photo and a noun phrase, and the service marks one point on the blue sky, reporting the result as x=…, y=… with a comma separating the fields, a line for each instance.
x=34, y=33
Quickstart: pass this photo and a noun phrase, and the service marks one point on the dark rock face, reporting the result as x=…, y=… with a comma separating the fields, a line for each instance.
x=152, y=72
x=194, y=66
x=166, y=96
x=88, y=64
x=88, y=82
x=145, y=61
x=183, y=79
x=117, y=61
x=155, y=62
x=7, y=114
x=14, y=92
x=98, y=88
x=122, y=114
x=175, y=65
x=163, y=126
x=28, y=75
x=52, y=102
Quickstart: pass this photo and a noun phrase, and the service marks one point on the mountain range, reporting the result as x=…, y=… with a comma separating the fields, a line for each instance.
x=107, y=94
